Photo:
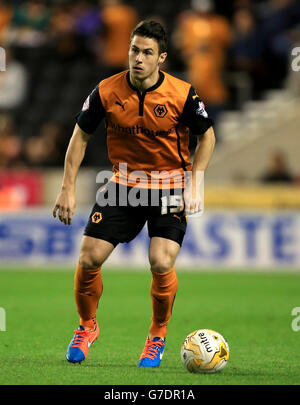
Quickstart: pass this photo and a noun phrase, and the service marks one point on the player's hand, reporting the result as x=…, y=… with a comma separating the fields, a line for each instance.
x=192, y=205
x=193, y=198
x=65, y=206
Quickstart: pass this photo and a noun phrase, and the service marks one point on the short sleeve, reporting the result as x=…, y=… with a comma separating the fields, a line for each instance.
x=92, y=112
x=194, y=115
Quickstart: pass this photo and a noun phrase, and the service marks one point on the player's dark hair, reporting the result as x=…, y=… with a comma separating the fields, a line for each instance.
x=152, y=29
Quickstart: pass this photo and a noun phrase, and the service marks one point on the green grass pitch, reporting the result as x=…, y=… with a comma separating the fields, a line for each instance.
x=252, y=311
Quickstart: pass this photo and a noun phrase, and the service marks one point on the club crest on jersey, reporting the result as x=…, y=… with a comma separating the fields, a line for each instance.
x=201, y=109
x=96, y=217
x=160, y=110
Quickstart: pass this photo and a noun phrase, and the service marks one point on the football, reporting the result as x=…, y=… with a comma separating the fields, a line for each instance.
x=204, y=351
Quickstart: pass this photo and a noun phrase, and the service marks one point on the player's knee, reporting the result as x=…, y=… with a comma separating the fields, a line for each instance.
x=89, y=261
x=161, y=264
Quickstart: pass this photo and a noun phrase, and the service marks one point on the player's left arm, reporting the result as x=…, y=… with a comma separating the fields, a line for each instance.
x=196, y=118
x=193, y=198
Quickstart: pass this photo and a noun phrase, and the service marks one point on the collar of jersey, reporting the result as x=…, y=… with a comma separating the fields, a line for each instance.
x=155, y=86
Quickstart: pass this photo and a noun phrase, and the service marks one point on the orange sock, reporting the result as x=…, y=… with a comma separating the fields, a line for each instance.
x=88, y=290
x=163, y=291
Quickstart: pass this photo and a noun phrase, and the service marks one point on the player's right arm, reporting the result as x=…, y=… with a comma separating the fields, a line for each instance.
x=87, y=121
x=66, y=201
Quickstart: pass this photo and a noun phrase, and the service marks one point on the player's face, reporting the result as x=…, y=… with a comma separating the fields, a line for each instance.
x=144, y=58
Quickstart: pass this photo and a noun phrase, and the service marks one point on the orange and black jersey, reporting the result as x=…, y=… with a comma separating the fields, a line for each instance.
x=147, y=131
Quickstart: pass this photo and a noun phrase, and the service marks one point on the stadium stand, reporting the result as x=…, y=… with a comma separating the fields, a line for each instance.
x=250, y=135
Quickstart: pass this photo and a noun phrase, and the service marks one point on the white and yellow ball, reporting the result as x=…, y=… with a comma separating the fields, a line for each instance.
x=204, y=351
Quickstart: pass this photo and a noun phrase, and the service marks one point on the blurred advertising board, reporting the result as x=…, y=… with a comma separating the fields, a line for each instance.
x=21, y=188
x=216, y=240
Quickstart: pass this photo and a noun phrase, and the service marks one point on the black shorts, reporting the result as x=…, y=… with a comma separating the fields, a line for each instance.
x=119, y=221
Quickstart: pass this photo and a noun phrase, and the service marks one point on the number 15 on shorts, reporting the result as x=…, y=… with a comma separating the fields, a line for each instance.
x=171, y=204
